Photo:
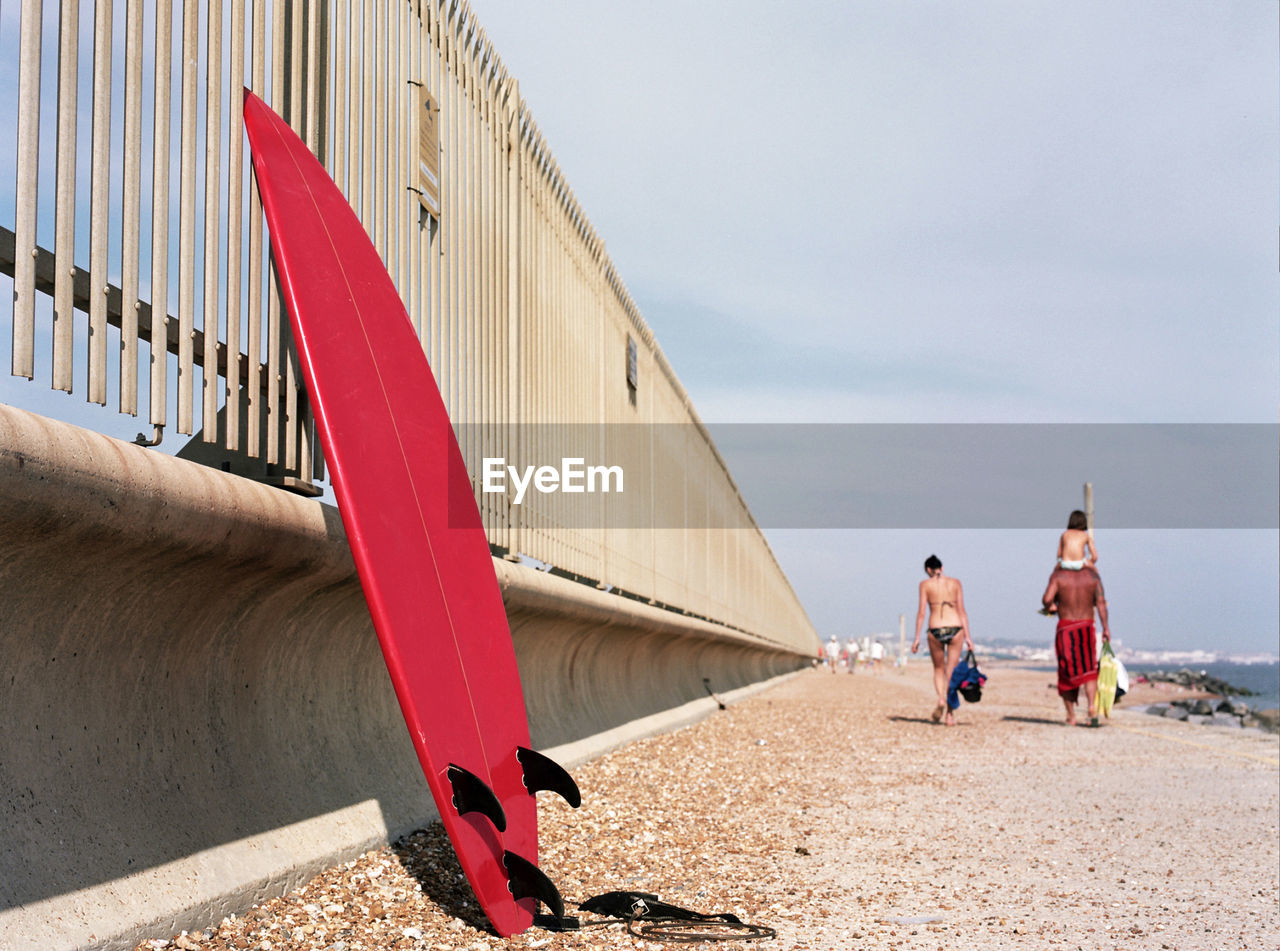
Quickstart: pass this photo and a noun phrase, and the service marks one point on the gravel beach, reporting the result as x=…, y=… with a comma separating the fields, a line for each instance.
x=831, y=809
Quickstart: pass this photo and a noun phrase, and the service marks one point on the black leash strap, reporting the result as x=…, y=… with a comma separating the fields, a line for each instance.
x=648, y=917
x=683, y=930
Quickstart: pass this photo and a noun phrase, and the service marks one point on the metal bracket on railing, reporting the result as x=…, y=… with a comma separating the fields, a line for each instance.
x=142, y=440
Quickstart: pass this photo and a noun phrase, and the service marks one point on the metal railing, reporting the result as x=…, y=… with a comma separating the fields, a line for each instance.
x=522, y=314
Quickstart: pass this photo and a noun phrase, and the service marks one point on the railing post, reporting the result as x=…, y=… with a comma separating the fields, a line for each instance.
x=64, y=214
x=28, y=162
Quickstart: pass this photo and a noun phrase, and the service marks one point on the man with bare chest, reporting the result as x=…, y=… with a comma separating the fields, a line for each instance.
x=1074, y=596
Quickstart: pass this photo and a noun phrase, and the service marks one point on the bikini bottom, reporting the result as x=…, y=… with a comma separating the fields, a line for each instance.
x=943, y=635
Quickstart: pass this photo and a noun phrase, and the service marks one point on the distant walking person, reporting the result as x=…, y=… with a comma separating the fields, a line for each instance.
x=1076, y=548
x=1074, y=595
x=833, y=653
x=943, y=598
x=851, y=652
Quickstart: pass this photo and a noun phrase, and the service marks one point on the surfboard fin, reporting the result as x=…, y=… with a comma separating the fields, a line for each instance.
x=526, y=880
x=472, y=794
x=542, y=772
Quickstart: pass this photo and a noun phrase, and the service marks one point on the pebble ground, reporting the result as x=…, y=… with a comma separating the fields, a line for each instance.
x=831, y=809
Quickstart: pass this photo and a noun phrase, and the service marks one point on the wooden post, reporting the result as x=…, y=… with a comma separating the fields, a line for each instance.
x=1088, y=517
x=1088, y=507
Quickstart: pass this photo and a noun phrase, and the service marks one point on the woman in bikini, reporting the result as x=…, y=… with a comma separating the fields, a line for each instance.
x=948, y=629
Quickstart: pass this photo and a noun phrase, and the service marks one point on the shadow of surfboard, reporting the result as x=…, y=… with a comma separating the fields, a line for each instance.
x=428, y=856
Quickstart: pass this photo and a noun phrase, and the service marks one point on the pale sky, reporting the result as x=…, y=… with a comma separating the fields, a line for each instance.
x=857, y=212
x=932, y=212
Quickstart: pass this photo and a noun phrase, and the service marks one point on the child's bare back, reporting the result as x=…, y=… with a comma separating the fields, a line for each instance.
x=1076, y=549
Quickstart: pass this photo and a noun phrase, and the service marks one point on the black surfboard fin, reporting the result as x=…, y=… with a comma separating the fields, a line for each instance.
x=542, y=772
x=472, y=794
x=526, y=880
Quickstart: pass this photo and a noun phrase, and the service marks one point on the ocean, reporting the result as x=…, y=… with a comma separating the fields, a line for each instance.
x=1262, y=679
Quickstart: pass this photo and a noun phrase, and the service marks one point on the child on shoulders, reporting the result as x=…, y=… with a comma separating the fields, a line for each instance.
x=1076, y=548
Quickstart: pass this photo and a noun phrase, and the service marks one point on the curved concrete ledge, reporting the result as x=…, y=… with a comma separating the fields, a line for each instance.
x=197, y=715
x=590, y=661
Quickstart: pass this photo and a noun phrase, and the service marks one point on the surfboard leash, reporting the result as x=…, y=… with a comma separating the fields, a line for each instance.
x=646, y=916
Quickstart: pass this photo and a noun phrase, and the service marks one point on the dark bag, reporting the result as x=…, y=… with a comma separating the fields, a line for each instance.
x=967, y=681
x=971, y=684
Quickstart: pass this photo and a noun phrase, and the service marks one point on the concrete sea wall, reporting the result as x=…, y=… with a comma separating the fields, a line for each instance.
x=196, y=712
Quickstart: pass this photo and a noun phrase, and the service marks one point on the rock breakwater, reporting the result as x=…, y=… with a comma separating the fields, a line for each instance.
x=1199, y=681
x=1213, y=712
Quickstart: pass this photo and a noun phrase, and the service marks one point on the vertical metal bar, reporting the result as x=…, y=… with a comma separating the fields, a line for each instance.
x=367, y=67
x=312, y=82
x=555, y=327
x=28, y=168
x=397, y=180
x=187, y=216
x=480, y=357
x=602, y=402
x=450, y=212
x=557, y=321
x=379, y=144
x=130, y=218
x=99, y=202
x=525, y=250
x=212, y=201
x=389, y=143
x=444, y=235
x=424, y=59
x=235, y=220
x=412, y=215
x=313, y=127
x=489, y=366
x=469, y=356
x=527, y=332
x=382, y=145
x=253, y=350
x=160, y=217
x=403, y=203
x=511, y=327
x=297, y=117
x=461, y=232
x=65, y=211
x=575, y=369
x=493, y=279
x=340, y=92
x=295, y=11
x=294, y=63
x=537, y=331
x=475, y=351
x=554, y=330
x=462, y=245
x=275, y=375
x=436, y=242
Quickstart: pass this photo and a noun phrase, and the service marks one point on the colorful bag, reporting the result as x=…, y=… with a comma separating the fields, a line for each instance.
x=1108, y=676
x=966, y=681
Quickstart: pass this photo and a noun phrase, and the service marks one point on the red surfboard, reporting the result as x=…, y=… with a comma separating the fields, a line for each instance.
x=415, y=532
